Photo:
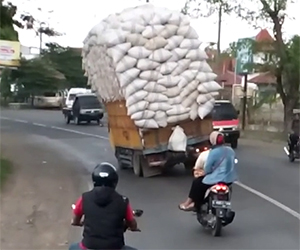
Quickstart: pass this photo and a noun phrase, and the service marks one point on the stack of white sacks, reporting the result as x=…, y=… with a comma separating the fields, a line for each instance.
x=151, y=58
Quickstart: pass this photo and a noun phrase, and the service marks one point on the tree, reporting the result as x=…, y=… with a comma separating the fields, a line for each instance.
x=272, y=11
x=68, y=62
x=34, y=77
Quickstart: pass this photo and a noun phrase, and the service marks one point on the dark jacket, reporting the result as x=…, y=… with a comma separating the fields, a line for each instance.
x=295, y=126
x=104, y=213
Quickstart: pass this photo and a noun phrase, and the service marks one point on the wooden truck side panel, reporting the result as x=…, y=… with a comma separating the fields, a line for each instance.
x=124, y=133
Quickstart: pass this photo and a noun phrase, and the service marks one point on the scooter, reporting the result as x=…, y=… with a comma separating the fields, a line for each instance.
x=216, y=211
x=296, y=152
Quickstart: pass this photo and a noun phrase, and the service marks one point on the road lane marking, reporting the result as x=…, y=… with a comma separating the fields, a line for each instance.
x=269, y=199
x=39, y=124
x=22, y=121
x=249, y=189
x=80, y=133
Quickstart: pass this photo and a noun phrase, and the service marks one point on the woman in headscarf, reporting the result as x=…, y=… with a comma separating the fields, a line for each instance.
x=218, y=167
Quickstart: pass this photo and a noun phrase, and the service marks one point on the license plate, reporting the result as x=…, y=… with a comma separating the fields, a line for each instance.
x=221, y=204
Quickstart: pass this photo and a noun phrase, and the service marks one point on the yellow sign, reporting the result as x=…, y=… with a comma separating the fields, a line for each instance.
x=10, y=53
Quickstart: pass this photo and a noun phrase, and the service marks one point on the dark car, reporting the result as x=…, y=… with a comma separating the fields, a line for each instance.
x=86, y=108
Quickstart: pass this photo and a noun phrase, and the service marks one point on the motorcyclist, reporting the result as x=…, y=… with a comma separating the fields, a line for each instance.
x=105, y=211
x=219, y=167
x=294, y=136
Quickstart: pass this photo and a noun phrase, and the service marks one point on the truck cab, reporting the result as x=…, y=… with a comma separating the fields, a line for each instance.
x=225, y=119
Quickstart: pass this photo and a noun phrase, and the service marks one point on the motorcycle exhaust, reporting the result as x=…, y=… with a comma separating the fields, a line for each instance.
x=286, y=151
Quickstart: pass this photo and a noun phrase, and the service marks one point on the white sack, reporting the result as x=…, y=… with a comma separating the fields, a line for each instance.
x=172, y=92
x=150, y=123
x=194, y=111
x=132, y=27
x=185, y=20
x=139, y=52
x=169, y=81
x=182, y=83
x=206, y=108
x=134, y=86
x=175, y=19
x=203, y=98
x=177, y=54
x=207, y=87
x=146, y=114
x=136, y=40
x=128, y=76
x=156, y=97
x=153, y=87
x=178, y=118
x=175, y=100
x=178, y=140
x=169, y=31
x=167, y=68
x=160, y=55
x=112, y=37
x=146, y=64
x=152, y=31
x=161, y=16
x=196, y=55
x=174, y=42
x=138, y=106
x=188, y=32
x=117, y=52
x=156, y=43
x=182, y=65
x=206, y=77
x=177, y=110
x=189, y=88
x=161, y=119
x=159, y=106
x=126, y=63
x=136, y=97
x=150, y=75
x=201, y=66
x=189, y=75
x=190, y=99
x=190, y=44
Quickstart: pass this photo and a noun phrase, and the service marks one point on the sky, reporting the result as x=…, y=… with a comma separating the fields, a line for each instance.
x=76, y=18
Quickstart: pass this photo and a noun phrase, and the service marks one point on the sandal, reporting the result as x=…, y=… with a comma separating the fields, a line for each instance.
x=185, y=209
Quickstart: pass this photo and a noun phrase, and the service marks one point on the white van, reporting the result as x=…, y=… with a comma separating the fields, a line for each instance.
x=72, y=94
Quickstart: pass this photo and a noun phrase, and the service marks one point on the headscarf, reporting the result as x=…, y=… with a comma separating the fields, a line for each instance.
x=213, y=137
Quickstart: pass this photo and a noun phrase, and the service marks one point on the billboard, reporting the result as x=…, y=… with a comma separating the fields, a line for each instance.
x=10, y=53
x=244, y=55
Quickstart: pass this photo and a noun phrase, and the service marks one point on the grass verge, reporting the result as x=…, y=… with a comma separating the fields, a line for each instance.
x=5, y=170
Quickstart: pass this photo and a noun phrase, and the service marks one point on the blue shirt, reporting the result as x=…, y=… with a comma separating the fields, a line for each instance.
x=218, y=170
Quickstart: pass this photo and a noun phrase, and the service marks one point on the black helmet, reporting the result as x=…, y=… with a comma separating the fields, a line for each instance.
x=105, y=174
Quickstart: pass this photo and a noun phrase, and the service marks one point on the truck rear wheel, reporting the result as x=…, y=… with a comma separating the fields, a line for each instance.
x=137, y=164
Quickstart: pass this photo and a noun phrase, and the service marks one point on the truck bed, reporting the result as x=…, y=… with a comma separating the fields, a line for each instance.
x=125, y=134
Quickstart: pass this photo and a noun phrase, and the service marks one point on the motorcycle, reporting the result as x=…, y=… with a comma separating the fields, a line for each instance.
x=216, y=213
x=296, y=152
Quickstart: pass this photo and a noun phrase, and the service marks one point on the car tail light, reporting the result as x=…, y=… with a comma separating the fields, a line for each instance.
x=220, y=188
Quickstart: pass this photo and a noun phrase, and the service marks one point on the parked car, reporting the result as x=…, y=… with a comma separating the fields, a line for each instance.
x=85, y=108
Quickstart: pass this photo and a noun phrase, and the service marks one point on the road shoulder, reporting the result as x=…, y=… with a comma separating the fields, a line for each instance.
x=36, y=200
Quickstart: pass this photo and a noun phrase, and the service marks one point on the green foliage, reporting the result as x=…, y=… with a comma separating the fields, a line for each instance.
x=34, y=77
x=68, y=62
x=7, y=12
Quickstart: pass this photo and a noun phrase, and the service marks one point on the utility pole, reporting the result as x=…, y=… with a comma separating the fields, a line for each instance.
x=219, y=31
x=40, y=30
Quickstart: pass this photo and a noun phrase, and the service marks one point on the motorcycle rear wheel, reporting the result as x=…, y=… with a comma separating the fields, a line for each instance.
x=217, y=230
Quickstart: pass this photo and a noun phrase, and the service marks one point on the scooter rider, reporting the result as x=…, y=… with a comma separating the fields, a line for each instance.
x=104, y=211
x=294, y=136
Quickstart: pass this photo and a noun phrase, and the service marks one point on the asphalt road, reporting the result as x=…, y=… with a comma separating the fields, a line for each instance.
x=259, y=223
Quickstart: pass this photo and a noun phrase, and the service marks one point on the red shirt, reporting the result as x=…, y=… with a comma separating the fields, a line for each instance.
x=78, y=211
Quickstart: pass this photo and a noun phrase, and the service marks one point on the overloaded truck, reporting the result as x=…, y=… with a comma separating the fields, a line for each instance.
x=147, y=150
x=146, y=67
